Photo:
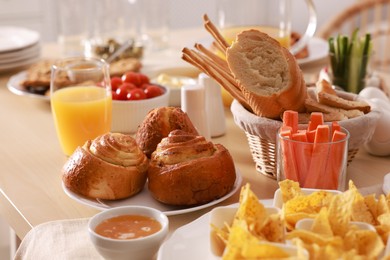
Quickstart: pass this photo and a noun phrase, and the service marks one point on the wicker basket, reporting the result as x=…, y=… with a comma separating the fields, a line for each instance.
x=261, y=134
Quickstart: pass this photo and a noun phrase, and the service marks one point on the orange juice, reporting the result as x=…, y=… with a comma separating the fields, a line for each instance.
x=81, y=113
x=282, y=37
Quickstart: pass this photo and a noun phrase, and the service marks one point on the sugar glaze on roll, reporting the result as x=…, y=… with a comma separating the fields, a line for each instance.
x=186, y=169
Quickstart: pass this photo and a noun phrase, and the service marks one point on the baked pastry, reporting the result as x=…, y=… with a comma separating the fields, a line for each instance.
x=38, y=77
x=158, y=123
x=268, y=74
x=186, y=169
x=109, y=167
x=328, y=96
x=120, y=67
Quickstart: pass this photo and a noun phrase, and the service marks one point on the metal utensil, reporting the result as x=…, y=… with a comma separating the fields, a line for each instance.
x=120, y=50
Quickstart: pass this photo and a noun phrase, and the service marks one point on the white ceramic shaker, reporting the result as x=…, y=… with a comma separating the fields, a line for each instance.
x=194, y=104
x=215, y=111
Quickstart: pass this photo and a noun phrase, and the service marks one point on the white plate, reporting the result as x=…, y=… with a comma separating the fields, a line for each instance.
x=14, y=38
x=192, y=241
x=14, y=86
x=144, y=198
x=318, y=49
x=21, y=63
x=25, y=53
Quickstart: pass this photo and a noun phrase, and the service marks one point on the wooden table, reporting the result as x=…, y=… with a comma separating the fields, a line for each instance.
x=31, y=160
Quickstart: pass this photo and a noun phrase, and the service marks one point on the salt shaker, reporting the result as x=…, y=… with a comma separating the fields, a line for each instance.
x=215, y=111
x=194, y=104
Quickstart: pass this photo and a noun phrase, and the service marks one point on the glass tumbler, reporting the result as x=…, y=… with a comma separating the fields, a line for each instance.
x=81, y=101
x=317, y=165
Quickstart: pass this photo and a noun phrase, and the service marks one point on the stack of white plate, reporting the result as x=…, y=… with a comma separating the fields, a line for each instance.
x=19, y=47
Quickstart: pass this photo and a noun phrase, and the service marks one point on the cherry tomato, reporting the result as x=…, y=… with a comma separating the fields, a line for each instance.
x=136, y=94
x=152, y=91
x=124, y=90
x=115, y=95
x=136, y=78
x=115, y=83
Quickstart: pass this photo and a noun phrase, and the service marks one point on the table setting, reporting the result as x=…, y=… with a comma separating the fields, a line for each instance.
x=216, y=137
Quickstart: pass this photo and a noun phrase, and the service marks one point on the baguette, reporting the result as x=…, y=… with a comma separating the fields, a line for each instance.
x=267, y=74
x=314, y=106
x=328, y=96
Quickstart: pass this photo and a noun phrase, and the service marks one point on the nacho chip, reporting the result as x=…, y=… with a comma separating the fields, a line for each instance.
x=309, y=237
x=339, y=214
x=311, y=203
x=274, y=229
x=251, y=210
x=290, y=189
x=366, y=243
x=263, y=251
x=244, y=245
x=360, y=211
x=371, y=203
x=382, y=206
x=321, y=224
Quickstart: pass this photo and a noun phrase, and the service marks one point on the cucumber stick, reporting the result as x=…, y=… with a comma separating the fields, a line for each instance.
x=348, y=60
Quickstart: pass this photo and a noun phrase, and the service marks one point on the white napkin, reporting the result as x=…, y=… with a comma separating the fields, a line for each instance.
x=65, y=239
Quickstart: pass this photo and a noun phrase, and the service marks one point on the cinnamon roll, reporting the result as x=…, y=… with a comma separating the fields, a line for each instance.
x=186, y=169
x=109, y=167
x=158, y=124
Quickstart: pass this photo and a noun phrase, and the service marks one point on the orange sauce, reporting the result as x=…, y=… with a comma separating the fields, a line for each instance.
x=128, y=227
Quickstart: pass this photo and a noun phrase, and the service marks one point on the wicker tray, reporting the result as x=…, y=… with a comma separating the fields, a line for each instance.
x=262, y=132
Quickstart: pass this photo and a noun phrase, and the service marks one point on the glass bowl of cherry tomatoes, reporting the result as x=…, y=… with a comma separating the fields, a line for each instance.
x=133, y=96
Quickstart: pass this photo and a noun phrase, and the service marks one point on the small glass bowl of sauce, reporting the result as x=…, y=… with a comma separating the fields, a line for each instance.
x=134, y=231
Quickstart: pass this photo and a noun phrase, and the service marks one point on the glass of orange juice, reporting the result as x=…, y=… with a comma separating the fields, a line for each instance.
x=81, y=101
x=269, y=16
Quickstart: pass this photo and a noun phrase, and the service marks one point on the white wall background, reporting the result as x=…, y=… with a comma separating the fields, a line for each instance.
x=42, y=15
x=187, y=13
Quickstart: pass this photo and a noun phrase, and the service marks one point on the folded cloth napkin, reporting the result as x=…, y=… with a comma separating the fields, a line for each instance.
x=64, y=239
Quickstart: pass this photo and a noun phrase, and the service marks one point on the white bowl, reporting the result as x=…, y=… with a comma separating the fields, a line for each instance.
x=127, y=115
x=137, y=249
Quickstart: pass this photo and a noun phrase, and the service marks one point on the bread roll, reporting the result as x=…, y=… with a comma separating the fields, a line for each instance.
x=268, y=74
x=109, y=167
x=186, y=169
x=158, y=123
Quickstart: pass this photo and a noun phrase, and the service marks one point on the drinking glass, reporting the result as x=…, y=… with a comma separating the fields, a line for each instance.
x=81, y=100
x=313, y=164
x=154, y=24
x=269, y=16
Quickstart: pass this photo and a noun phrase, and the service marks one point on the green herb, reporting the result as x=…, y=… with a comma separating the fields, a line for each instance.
x=348, y=60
